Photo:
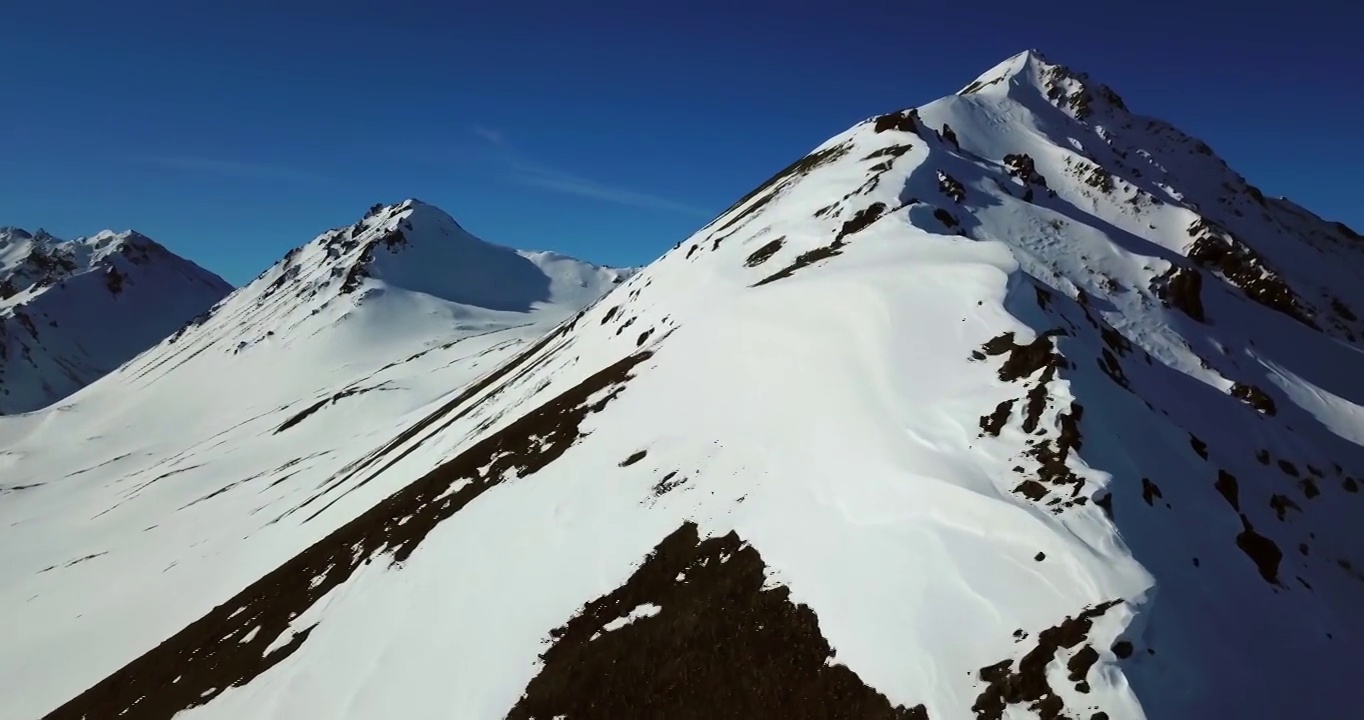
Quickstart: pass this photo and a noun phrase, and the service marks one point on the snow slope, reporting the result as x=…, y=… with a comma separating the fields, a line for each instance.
x=239, y=418
x=1013, y=405
x=72, y=311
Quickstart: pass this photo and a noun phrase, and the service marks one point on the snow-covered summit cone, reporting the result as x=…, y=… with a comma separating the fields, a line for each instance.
x=1012, y=404
x=70, y=312
x=417, y=258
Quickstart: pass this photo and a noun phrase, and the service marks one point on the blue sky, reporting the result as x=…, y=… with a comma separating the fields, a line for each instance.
x=232, y=131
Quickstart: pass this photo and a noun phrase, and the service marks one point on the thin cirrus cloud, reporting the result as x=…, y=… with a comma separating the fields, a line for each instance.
x=533, y=173
x=233, y=168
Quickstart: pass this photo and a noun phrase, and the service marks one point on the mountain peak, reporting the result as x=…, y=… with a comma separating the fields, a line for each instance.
x=10, y=233
x=1030, y=73
x=399, y=257
x=72, y=311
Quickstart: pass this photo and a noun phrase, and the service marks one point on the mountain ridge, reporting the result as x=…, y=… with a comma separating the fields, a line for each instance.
x=72, y=311
x=981, y=407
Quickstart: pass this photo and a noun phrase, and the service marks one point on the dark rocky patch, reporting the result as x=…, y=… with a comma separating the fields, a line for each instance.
x=1115, y=340
x=1113, y=369
x=977, y=86
x=1262, y=456
x=1350, y=485
x=1097, y=177
x=764, y=253
x=1051, y=459
x=634, y=458
x=1028, y=684
x=858, y=222
x=902, y=121
x=1198, y=445
x=1023, y=360
x=719, y=647
x=946, y=218
x=611, y=313
x=951, y=187
x=669, y=482
x=1261, y=550
x=949, y=136
x=1105, y=503
x=1343, y=310
x=1309, y=488
x=227, y=647
x=1032, y=490
x=1079, y=665
x=861, y=219
x=1122, y=649
x=1022, y=166
x=1043, y=297
x=643, y=337
x=794, y=171
x=1150, y=491
x=299, y=417
x=1216, y=249
x=1182, y=289
x=1254, y=397
x=1281, y=505
x=1231, y=490
x=1051, y=454
x=1037, y=400
x=739, y=217
x=803, y=260
x=391, y=240
x=994, y=422
x=1040, y=556
x=113, y=280
x=891, y=151
x=1288, y=468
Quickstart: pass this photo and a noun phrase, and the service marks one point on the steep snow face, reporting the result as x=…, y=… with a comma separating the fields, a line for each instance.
x=1003, y=406
x=71, y=312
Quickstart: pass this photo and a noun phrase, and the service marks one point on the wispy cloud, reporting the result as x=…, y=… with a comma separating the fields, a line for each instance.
x=493, y=136
x=533, y=173
x=218, y=166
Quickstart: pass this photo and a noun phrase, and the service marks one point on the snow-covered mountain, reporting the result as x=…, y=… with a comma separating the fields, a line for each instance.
x=1016, y=404
x=72, y=311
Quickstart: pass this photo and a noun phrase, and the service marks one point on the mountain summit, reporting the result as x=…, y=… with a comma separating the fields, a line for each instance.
x=1012, y=404
x=72, y=311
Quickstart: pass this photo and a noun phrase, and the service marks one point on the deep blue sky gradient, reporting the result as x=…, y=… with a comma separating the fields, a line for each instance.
x=232, y=131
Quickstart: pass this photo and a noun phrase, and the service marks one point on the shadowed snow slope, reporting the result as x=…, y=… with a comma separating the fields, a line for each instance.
x=1014, y=405
x=72, y=311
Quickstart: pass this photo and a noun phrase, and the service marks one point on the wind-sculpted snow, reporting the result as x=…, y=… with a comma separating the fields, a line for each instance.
x=1013, y=404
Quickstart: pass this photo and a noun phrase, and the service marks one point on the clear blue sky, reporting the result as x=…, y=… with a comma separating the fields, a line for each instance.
x=232, y=131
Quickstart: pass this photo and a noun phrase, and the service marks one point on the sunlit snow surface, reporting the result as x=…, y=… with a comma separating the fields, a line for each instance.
x=838, y=418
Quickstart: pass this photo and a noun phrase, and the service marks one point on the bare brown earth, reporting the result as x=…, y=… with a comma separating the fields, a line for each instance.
x=719, y=647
